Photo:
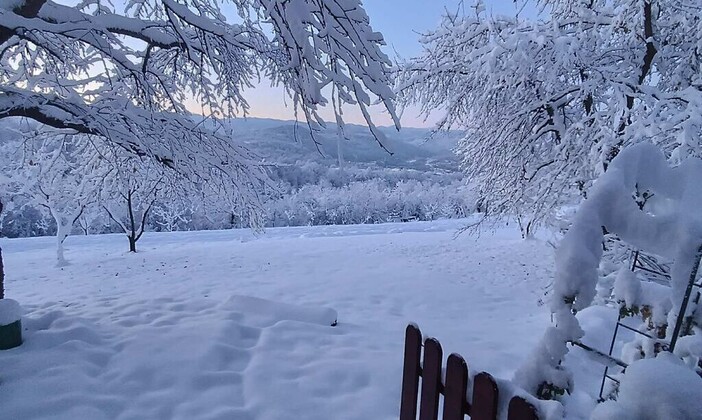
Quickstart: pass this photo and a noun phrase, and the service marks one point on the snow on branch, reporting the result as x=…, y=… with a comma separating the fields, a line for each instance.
x=128, y=75
x=547, y=104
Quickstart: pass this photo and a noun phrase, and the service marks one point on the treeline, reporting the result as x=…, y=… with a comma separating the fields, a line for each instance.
x=306, y=193
x=370, y=201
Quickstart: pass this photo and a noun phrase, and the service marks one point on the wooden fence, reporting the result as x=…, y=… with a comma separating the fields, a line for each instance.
x=483, y=405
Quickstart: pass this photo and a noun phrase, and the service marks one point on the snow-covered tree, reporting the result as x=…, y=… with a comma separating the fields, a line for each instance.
x=173, y=214
x=369, y=201
x=126, y=72
x=130, y=194
x=547, y=104
x=61, y=174
x=91, y=220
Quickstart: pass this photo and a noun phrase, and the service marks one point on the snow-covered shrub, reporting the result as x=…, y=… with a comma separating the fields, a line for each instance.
x=672, y=230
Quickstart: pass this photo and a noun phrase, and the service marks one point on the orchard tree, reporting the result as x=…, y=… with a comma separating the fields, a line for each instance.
x=125, y=72
x=171, y=215
x=61, y=174
x=91, y=220
x=547, y=104
x=130, y=194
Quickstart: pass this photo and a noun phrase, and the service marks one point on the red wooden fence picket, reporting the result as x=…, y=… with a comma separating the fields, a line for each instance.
x=455, y=389
x=456, y=406
x=411, y=372
x=431, y=380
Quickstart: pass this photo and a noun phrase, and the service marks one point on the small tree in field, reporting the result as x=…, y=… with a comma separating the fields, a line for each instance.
x=174, y=214
x=547, y=104
x=62, y=174
x=89, y=220
x=131, y=193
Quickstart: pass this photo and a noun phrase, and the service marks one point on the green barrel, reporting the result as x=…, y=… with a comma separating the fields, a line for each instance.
x=11, y=335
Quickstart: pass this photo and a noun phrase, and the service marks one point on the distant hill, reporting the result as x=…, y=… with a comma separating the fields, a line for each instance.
x=288, y=142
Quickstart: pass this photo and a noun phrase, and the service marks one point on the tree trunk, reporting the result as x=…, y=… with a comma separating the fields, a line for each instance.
x=60, y=259
x=2, y=269
x=2, y=277
x=62, y=232
x=340, y=151
x=132, y=243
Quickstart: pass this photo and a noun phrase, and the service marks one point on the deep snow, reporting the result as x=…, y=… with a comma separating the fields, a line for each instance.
x=660, y=388
x=225, y=325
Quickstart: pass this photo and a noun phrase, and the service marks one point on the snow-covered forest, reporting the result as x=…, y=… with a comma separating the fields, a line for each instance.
x=521, y=179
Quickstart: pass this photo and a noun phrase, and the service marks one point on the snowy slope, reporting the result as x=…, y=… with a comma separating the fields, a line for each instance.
x=223, y=325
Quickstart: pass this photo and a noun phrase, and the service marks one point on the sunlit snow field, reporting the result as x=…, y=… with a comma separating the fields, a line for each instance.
x=226, y=325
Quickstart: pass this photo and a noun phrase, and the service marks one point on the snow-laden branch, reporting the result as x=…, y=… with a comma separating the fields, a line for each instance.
x=127, y=76
x=546, y=105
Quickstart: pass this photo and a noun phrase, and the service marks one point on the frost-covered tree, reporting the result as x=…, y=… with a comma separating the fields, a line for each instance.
x=90, y=220
x=130, y=194
x=126, y=72
x=369, y=201
x=547, y=104
x=61, y=174
x=173, y=214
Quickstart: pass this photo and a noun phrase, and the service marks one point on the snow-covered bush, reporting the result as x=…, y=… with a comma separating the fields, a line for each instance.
x=672, y=229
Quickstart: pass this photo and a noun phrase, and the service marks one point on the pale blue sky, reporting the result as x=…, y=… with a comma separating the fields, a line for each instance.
x=400, y=21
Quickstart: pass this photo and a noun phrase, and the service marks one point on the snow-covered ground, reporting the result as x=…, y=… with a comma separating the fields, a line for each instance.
x=224, y=325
